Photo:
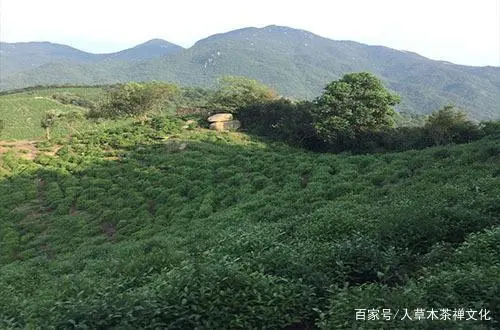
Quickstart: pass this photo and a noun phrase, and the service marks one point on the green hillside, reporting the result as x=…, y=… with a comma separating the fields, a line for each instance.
x=21, y=112
x=153, y=226
x=296, y=63
x=22, y=115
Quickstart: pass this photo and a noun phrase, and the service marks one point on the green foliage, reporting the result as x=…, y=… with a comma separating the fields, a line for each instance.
x=151, y=226
x=403, y=119
x=70, y=98
x=354, y=104
x=23, y=111
x=450, y=125
x=48, y=121
x=306, y=124
x=491, y=128
x=235, y=93
x=2, y=126
x=134, y=99
x=282, y=120
x=165, y=125
x=196, y=97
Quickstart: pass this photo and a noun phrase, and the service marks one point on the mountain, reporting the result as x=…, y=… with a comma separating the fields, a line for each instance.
x=296, y=63
x=24, y=56
x=148, y=50
x=27, y=56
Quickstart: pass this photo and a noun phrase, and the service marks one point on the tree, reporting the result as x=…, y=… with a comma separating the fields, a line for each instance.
x=135, y=100
x=352, y=105
x=451, y=125
x=48, y=121
x=238, y=92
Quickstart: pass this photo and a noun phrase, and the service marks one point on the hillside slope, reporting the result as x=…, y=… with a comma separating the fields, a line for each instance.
x=151, y=226
x=22, y=112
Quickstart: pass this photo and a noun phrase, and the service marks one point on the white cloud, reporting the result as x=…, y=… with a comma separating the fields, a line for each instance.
x=460, y=31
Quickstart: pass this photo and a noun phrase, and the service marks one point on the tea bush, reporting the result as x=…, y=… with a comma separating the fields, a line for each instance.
x=151, y=226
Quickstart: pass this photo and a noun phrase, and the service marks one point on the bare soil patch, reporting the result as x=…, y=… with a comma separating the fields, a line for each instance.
x=25, y=148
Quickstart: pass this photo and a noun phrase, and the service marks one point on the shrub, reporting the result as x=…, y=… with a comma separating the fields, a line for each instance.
x=166, y=125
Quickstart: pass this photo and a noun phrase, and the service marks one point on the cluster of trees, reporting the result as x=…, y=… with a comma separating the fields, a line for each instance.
x=354, y=113
x=134, y=99
x=140, y=99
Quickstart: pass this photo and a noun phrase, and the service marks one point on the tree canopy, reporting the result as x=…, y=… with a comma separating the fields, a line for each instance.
x=449, y=124
x=235, y=93
x=356, y=103
x=48, y=121
x=135, y=99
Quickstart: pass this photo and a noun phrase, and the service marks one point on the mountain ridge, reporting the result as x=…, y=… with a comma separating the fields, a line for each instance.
x=297, y=63
x=14, y=57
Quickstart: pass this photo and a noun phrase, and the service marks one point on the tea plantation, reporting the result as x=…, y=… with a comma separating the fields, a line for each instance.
x=151, y=226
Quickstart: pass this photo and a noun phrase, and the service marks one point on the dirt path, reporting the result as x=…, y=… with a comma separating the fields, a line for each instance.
x=24, y=148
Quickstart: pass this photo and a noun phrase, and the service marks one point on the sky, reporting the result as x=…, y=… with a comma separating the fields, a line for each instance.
x=459, y=31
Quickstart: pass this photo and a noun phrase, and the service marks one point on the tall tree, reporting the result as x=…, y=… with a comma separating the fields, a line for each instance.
x=352, y=105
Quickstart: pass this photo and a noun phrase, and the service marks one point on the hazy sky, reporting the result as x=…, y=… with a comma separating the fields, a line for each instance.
x=459, y=31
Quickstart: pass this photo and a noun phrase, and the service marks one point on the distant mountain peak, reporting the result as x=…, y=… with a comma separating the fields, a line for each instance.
x=156, y=42
x=278, y=28
x=150, y=49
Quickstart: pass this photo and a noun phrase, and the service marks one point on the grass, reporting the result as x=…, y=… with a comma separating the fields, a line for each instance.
x=152, y=226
